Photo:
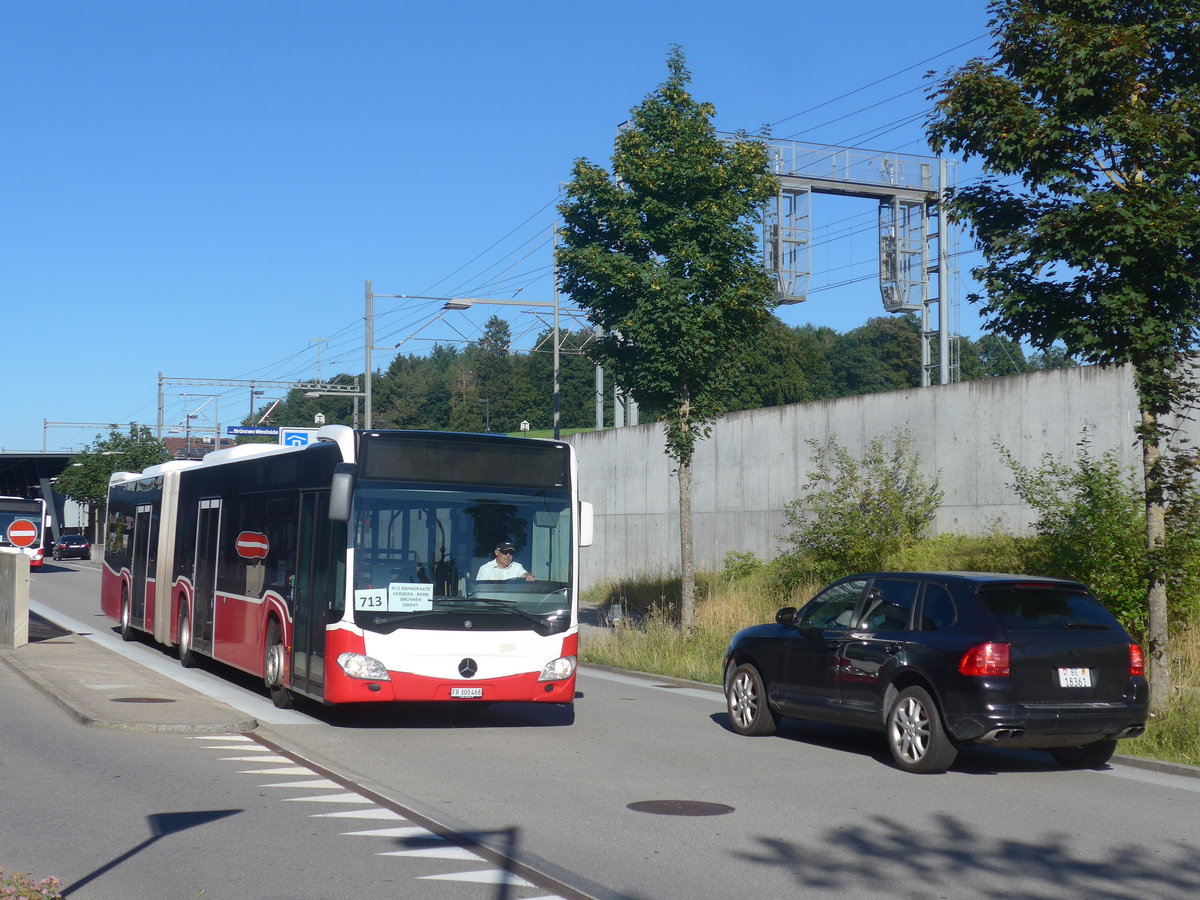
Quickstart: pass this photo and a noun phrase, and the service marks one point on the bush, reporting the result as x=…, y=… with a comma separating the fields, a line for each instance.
x=859, y=513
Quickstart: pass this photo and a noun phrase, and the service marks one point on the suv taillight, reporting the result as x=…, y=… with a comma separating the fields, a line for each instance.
x=1137, y=662
x=986, y=660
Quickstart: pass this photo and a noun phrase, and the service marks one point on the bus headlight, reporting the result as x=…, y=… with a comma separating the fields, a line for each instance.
x=358, y=666
x=558, y=669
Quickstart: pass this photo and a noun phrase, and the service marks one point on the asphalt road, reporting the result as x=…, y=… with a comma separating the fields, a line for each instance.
x=817, y=811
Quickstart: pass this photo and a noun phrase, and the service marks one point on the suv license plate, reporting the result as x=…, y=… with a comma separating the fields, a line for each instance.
x=466, y=693
x=1075, y=678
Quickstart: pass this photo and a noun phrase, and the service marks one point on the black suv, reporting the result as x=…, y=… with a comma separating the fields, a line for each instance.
x=72, y=546
x=940, y=660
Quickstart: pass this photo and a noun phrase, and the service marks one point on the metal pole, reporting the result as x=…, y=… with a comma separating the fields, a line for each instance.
x=943, y=276
x=599, y=398
x=554, y=232
x=158, y=433
x=369, y=319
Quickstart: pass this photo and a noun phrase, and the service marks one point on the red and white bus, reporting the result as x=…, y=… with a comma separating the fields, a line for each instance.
x=23, y=527
x=345, y=571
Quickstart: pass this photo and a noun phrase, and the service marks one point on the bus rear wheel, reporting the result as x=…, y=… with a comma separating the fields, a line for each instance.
x=274, y=661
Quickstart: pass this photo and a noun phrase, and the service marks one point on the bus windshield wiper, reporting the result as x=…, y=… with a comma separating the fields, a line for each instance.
x=508, y=606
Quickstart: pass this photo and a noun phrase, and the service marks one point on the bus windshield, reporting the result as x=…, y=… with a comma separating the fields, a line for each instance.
x=418, y=556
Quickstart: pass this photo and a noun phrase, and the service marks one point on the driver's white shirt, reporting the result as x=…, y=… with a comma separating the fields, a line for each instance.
x=492, y=571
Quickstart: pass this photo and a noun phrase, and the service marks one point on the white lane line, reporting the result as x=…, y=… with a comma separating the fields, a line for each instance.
x=198, y=680
x=278, y=770
x=314, y=784
x=484, y=876
x=219, y=737
x=386, y=815
x=459, y=853
x=327, y=798
x=401, y=831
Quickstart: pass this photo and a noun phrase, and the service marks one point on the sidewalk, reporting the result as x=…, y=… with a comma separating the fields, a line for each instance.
x=102, y=689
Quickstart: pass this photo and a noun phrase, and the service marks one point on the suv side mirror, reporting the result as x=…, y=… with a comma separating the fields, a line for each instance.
x=786, y=616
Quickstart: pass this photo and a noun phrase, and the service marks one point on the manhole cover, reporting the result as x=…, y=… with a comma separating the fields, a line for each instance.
x=680, y=808
x=141, y=700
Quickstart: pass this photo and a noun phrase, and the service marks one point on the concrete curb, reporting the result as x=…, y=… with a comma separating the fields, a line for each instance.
x=176, y=710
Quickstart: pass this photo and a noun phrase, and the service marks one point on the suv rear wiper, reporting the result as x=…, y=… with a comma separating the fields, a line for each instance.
x=1086, y=626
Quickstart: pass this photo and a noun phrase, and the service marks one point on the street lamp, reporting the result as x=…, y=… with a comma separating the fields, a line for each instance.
x=487, y=413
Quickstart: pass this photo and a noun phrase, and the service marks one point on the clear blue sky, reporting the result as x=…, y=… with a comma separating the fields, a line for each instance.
x=201, y=189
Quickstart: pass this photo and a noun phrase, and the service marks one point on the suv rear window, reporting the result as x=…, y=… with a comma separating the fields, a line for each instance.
x=1036, y=606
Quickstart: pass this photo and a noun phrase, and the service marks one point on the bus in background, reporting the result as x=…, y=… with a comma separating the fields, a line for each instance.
x=345, y=571
x=23, y=526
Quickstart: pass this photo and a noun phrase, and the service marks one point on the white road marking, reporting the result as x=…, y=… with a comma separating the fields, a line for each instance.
x=278, y=770
x=484, y=876
x=314, y=784
x=376, y=813
x=459, y=853
x=327, y=798
x=401, y=831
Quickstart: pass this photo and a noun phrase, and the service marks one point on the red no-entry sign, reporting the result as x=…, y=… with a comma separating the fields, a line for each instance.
x=22, y=533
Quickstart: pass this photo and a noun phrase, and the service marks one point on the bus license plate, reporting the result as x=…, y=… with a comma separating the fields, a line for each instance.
x=460, y=693
x=1075, y=678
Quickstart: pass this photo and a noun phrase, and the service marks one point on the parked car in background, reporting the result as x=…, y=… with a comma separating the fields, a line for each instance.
x=942, y=660
x=72, y=546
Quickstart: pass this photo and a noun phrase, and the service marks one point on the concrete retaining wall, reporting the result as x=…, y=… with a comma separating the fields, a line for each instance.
x=757, y=461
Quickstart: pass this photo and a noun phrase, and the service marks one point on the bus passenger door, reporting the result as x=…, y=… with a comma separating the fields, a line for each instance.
x=320, y=551
x=139, y=565
x=204, y=576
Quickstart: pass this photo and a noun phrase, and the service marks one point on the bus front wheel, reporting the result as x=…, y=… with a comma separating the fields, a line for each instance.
x=274, y=659
x=187, y=658
x=126, y=626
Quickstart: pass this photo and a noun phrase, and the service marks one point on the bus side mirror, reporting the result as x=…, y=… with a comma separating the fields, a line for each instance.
x=341, y=492
x=586, y=523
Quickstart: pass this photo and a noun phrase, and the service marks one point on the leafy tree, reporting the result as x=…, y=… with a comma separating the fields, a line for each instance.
x=856, y=513
x=999, y=356
x=85, y=479
x=883, y=354
x=661, y=255
x=1086, y=120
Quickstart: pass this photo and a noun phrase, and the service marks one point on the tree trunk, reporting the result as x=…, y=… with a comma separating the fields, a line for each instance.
x=687, y=562
x=1158, y=669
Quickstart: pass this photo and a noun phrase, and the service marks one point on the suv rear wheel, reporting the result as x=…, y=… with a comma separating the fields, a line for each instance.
x=916, y=735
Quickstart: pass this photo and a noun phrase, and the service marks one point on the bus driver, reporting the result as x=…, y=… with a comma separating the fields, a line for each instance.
x=503, y=567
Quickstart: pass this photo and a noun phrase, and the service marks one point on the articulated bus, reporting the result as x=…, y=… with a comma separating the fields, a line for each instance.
x=23, y=527
x=347, y=571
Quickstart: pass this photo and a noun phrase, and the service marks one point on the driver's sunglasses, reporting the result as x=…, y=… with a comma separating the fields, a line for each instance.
x=506, y=552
